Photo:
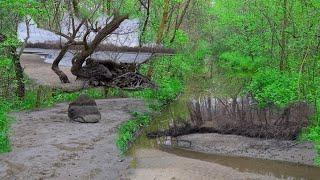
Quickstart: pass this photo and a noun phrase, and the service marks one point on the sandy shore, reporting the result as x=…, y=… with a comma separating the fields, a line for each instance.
x=45, y=145
x=41, y=73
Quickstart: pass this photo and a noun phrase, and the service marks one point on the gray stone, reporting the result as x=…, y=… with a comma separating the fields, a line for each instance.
x=84, y=109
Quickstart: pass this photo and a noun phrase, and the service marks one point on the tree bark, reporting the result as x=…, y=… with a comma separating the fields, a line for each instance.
x=145, y=23
x=179, y=21
x=164, y=21
x=55, y=65
x=20, y=91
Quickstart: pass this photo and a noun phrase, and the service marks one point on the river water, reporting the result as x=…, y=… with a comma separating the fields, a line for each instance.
x=270, y=168
x=124, y=57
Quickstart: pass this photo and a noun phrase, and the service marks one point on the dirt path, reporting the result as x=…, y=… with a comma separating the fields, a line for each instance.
x=46, y=145
x=156, y=164
x=40, y=72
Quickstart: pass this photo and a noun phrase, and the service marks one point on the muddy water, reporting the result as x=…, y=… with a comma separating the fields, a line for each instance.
x=264, y=167
x=178, y=109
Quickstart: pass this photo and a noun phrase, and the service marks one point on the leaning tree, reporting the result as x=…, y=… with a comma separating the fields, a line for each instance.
x=160, y=21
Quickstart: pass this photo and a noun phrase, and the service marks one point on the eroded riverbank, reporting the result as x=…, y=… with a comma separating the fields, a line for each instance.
x=244, y=157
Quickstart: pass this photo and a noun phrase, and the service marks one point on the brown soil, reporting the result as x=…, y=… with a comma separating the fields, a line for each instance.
x=46, y=145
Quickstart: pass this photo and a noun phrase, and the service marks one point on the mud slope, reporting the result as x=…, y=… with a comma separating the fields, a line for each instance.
x=46, y=145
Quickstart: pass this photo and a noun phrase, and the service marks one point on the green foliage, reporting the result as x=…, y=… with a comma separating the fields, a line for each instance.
x=127, y=130
x=4, y=130
x=170, y=73
x=270, y=47
x=237, y=64
x=270, y=86
x=12, y=12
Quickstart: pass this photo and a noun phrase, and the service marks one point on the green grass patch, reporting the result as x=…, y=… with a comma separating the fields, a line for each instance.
x=127, y=132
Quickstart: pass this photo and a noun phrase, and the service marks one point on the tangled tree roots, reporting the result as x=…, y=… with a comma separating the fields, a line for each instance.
x=108, y=73
x=133, y=80
x=243, y=117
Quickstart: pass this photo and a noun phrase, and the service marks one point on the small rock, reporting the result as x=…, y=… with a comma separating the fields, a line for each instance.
x=84, y=109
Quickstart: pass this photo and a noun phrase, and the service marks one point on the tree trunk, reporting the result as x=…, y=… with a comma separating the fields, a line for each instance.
x=55, y=65
x=284, y=40
x=161, y=29
x=20, y=91
x=164, y=21
x=145, y=23
x=179, y=21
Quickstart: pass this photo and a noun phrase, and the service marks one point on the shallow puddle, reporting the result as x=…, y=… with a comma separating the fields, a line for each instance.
x=264, y=167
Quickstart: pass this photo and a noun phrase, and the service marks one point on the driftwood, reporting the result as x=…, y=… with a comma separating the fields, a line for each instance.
x=106, y=47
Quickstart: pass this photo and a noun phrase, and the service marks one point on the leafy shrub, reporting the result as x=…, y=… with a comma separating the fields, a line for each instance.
x=239, y=64
x=270, y=86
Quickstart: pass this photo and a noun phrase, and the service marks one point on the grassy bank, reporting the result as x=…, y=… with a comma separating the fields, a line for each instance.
x=170, y=74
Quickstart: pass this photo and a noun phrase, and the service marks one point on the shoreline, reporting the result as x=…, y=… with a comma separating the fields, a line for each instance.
x=302, y=153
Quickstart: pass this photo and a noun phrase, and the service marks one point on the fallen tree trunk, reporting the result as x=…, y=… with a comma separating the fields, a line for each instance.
x=104, y=47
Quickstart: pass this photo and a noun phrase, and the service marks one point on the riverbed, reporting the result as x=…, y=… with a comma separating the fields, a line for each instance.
x=46, y=145
x=244, y=157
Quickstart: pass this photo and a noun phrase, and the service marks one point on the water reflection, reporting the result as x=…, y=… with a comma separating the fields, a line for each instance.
x=265, y=167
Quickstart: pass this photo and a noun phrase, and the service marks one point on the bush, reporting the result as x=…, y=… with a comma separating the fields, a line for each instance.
x=271, y=87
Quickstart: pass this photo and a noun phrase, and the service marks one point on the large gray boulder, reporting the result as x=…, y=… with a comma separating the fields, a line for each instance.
x=84, y=109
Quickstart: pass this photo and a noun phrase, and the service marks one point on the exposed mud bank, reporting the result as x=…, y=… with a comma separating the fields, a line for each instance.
x=45, y=145
x=233, y=145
